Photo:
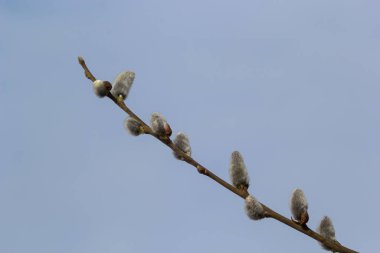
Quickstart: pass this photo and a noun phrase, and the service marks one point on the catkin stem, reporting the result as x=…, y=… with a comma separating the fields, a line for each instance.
x=269, y=213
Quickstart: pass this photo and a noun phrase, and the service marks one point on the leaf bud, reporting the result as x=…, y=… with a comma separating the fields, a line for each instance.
x=326, y=230
x=253, y=208
x=101, y=88
x=159, y=125
x=122, y=84
x=299, y=206
x=133, y=126
x=182, y=142
x=238, y=172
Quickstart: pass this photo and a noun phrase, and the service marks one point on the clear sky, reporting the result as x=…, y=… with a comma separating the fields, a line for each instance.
x=293, y=85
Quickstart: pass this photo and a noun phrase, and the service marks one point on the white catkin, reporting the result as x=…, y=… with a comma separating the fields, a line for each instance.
x=182, y=142
x=298, y=204
x=122, y=84
x=133, y=126
x=326, y=230
x=238, y=172
x=101, y=88
x=253, y=208
x=159, y=124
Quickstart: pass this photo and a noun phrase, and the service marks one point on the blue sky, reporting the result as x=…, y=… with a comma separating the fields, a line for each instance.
x=293, y=85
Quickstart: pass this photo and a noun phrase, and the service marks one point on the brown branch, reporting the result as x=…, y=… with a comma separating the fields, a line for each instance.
x=87, y=72
x=335, y=246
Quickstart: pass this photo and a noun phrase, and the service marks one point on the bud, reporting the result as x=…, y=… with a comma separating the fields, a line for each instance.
x=299, y=206
x=122, y=84
x=326, y=230
x=253, y=208
x=182, y=142
x=159, y=124
x=133, y=126
x=80, y=60
x=238, y=171
x=101, y=88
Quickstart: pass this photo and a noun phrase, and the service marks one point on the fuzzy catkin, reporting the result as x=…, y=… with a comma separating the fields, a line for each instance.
x=238, y=172
x=159, y=124
x=133, y=126
x=101, y=88
x=253, y=208
x=326, y=230
x=298, y=205
x=182, y=142
x=122, y=84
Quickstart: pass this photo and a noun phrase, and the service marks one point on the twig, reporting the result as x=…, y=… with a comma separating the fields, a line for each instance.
x=335, y=246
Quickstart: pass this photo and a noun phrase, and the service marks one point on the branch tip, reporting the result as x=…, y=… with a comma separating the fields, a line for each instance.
x=87, y=72
x=81, y=60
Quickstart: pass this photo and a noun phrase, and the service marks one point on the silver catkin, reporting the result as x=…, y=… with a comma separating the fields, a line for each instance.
x=159, y=124
x=238, y=172
x=122, y=84
x=298, y=204
x=253, y=208
x=182, y=142
x=101, y=88
x=326, y=230
x=133, y=126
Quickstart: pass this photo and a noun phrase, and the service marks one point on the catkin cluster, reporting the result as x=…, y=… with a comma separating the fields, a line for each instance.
x=159, y=127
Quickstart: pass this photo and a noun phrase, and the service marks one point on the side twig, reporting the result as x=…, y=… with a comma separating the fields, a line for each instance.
x=334, y=245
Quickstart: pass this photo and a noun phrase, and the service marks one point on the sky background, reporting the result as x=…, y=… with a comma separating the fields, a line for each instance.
x=293, y=85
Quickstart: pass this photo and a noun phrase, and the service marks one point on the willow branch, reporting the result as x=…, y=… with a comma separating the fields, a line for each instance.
x=334, y=245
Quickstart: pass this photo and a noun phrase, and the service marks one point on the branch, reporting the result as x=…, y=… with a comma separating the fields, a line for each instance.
x=334, y=245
